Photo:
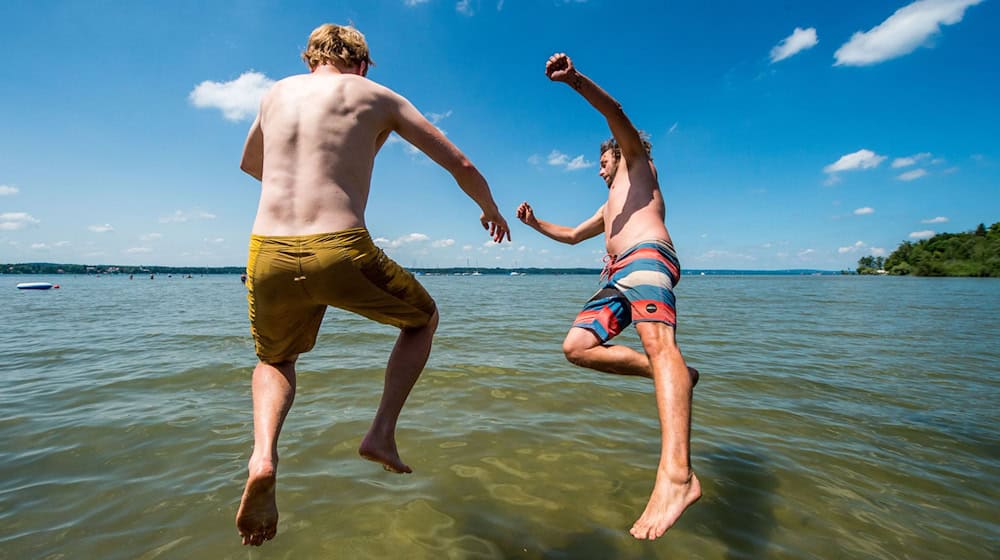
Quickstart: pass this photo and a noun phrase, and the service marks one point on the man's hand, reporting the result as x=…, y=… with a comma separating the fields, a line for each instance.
x=560, y=68
x=526, y=215
x=495, y=223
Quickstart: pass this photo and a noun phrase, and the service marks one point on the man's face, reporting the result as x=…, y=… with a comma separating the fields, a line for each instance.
x=609, y=166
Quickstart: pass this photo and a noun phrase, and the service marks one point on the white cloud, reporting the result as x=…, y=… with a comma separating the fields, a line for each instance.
x=10, y=221
x=437, y=117
x=911, y=160
x=903, y=32
x=238, y=99
x=937, y=220
x=864, y=211
x=912, y=175
x=61, y=244
x=861, y=246
x=806, y=253
x=861, y=159
x=39, y=246
x=443, y=243
x=673, y=127
x=718, y=254
x=922, y=234
x=463, y=7
x=799, y=40
x=851, y=248
x=179, y=216
x=832, y=180
x=559, y=159
x=150, y=236
x=101, y=228
x=412, y=3
x=7, y=190
x=137, y=250
x=535, y=159
x=400, y=241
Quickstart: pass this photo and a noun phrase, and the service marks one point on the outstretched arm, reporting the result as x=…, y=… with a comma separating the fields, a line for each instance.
x=253, y=151
x=417, y=130
x=591, y=227
x=559, y=68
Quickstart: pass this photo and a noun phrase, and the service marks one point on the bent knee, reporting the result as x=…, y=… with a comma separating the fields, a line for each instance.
x=575, y=353
x=431, y=324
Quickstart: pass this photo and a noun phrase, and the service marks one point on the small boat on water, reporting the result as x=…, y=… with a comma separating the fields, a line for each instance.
x=36, y=286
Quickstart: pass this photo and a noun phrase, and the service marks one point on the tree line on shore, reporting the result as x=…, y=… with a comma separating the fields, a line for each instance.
x=972, y=253
x=57, y=268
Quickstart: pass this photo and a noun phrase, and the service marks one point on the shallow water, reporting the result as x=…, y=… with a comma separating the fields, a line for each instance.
x=850, y=417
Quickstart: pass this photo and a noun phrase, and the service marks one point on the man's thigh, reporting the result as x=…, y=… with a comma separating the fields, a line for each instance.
x=657, y=338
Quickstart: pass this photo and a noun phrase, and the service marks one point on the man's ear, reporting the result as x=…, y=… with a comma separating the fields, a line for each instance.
x=363, y=68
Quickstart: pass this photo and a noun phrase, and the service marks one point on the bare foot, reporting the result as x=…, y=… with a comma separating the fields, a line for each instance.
x=694, y=376
x=383, y=452
x=257, y=518
x=668, y=502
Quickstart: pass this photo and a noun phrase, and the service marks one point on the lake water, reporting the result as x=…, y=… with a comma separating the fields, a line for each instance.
x=836, y=417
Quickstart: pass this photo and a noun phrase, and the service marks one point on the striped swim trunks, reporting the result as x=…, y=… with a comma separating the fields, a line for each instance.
x=637, y=286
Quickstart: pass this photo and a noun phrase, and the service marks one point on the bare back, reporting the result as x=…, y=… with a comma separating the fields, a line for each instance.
x=634, y=212
x=320, y=136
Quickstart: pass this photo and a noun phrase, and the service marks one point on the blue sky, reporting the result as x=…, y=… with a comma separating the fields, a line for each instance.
x=787, y=134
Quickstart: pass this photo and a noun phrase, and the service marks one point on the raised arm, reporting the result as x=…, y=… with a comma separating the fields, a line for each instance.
x=253, y=151
x=559, y=68
x=591, y=227
x=417, y=130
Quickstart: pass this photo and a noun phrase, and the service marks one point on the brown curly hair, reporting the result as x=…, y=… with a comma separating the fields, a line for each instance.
x=331, y=43
x=612, y=144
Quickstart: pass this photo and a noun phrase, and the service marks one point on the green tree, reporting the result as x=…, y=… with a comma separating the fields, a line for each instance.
x=972, y=253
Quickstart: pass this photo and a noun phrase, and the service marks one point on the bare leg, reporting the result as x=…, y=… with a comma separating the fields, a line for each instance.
x=405, y=365
x=583, y=348
x=273, y=393
x=676, y=485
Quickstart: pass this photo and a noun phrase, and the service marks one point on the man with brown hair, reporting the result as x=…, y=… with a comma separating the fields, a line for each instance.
x=637, y=286
x=313, y=147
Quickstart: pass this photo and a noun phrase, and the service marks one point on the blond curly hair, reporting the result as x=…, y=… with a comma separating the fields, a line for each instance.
x=331, y=43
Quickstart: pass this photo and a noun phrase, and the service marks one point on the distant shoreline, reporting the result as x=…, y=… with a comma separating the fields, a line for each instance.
x=62, y=268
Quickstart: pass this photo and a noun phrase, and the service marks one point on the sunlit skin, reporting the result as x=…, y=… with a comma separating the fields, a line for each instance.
x=633, y=213
x=323, y=130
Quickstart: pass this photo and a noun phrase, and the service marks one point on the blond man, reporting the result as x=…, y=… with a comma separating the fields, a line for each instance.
x=313, y=148
x=637, y=287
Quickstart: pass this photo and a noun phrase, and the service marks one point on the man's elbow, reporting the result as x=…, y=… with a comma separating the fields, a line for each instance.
x=462, y=168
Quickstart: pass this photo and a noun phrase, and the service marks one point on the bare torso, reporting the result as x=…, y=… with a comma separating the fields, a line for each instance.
x=634, y=212
x=321, y=133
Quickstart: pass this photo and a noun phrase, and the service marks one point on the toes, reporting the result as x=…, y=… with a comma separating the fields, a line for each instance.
x=641, y=532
